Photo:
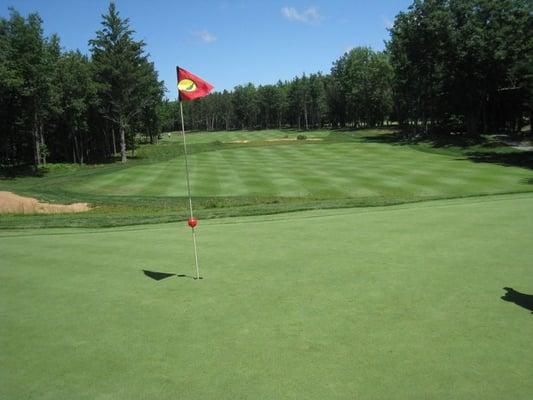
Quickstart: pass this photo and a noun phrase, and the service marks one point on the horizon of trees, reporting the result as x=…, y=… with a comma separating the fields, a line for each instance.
x=450, y=66
x=357, y=93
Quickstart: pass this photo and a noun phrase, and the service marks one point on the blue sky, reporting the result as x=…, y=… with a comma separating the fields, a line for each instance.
x=228, y=42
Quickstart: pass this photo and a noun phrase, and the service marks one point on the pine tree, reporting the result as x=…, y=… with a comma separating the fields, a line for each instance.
x=120, y=71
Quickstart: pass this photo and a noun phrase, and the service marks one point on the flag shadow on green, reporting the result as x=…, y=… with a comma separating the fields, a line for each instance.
x=158, y=276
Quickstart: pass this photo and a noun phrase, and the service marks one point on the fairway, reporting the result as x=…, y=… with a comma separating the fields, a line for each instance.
x=240, y=173
x=398, y=302
x=339, y=165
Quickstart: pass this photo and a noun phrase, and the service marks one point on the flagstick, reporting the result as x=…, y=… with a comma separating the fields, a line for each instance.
x=189, y=190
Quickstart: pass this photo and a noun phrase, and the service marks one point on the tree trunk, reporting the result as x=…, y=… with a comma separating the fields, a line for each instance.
x=81, y=151
x=114, y=143
x=305, y=116
x=42, y=144
x=37, y=147
x=123, y=144
x=485, y=116
x=75, y=149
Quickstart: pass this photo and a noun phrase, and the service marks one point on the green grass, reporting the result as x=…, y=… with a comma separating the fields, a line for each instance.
x=318, y=169
x=398, y=302
x=345, y=169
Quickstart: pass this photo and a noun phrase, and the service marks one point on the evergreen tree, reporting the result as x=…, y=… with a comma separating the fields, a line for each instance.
x=121, y=70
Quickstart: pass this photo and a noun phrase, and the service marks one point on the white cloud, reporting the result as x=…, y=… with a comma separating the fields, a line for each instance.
x=311, y=15
x=205, y=36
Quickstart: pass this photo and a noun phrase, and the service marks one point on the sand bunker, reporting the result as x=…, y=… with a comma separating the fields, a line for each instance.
x=12, y=203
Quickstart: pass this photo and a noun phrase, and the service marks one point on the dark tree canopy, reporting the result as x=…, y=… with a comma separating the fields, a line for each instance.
x=463, y=64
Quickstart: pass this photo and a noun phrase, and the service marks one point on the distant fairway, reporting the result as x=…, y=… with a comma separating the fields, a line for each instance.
x=267, y=172
x=324, y=169
x=398, y=302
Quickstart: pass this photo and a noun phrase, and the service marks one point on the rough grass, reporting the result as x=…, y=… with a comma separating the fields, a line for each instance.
x=345, y=169
x=399, y=302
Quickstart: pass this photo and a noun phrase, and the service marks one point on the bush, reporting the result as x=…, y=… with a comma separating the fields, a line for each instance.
x=301, y=137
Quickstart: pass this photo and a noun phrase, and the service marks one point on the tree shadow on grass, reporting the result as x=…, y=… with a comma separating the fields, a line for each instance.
x=523, y=159
x=518, y=158
x=157, y=276
x=520, y=299
x=396, y=137
x=405, y=137
x=21, y=171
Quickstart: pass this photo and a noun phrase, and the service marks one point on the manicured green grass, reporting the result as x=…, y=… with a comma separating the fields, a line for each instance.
x=318, y=169
x=263, y=176
x=398, y=302
x=336, y=170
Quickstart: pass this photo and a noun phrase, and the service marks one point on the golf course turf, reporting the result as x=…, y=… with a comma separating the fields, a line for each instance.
x=396, y=302
x=400, y=302
x=266, y=172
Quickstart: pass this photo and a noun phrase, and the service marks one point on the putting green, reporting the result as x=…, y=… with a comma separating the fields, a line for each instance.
x=400, y=302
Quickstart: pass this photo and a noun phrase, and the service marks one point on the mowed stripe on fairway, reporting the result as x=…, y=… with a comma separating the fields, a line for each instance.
x=395, y=302
x=349, y=169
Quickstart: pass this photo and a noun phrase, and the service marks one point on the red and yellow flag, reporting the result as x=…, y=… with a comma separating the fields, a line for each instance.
x=191, y=87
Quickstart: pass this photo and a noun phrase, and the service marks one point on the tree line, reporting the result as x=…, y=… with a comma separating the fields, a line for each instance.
x=450, y=66
x=357, y=93
x=463, y=65
x=62, y=106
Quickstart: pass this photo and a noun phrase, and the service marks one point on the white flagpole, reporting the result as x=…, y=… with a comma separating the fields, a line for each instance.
x=189, y=191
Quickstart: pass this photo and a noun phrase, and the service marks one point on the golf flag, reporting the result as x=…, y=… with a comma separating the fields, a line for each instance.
x=191, y=87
